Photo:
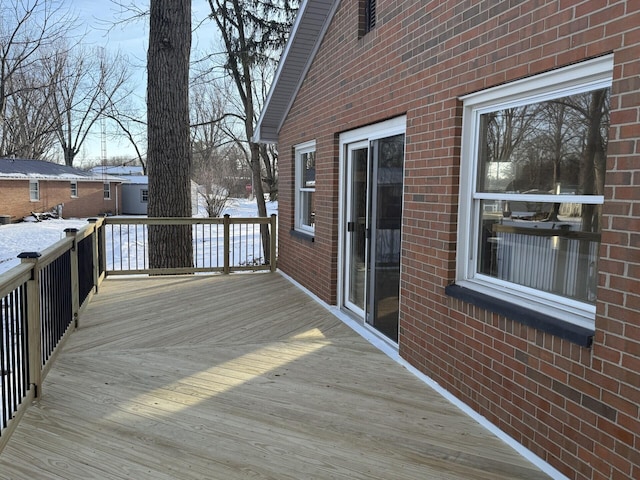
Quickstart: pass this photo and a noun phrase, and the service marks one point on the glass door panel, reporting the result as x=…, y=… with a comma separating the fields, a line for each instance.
x=384, y=261
x=355, y=274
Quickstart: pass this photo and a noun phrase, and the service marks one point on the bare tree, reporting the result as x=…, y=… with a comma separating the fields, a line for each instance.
x=252, y=31
x=132, y=127
x=29, y=128
x=207, y=146
x=90, y=84
x=169, y=152
x=28, y=28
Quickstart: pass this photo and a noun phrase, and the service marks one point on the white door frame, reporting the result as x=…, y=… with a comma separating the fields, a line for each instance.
x=388, y=128
x=345, y=276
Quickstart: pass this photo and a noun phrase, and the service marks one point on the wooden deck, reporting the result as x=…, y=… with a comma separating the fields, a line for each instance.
x=241, y=376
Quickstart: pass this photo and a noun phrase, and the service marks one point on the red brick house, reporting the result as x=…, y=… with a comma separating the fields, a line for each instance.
x=37, y=186
x=465, y=178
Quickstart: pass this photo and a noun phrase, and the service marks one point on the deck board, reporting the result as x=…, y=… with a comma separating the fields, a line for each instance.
x=241, y=376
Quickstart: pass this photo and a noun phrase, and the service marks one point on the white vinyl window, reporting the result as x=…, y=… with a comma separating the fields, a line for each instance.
x=305, y=185
x=107, y=191
x=74, y=188
x=532, y=188
x=34, y=190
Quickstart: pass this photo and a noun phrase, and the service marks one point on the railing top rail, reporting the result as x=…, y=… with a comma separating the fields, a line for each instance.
x=87, y=230
x=254, y=220
x=14, y=277
x=546, y=232
x=50, y=254
x=183, y=220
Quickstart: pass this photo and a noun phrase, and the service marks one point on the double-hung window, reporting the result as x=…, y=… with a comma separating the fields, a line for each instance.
x=532, y=188
x=74, y=189
x=305, y=185
x=106, y=188
x=34, y=190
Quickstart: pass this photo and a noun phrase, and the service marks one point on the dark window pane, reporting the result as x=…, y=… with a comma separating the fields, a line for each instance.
x=308, y=169
x=308, y=209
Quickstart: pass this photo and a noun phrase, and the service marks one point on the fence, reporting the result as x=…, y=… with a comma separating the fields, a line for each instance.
x=42, y=298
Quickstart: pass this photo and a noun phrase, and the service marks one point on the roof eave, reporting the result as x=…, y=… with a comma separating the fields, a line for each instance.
x=307, y=32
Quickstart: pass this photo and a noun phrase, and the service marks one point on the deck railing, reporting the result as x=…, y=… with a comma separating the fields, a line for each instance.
x=223, y=244
x=40, y=301
x=42, y=298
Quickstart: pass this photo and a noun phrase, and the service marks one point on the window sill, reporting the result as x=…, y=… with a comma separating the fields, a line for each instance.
x=547, y=323
x=309, y=237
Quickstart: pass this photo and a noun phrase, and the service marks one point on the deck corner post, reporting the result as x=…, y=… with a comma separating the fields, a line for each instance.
x=95, y=253
x=75, y=281
x=273, y=243
x=102, y=239
x=33, y=322
x=227, y=243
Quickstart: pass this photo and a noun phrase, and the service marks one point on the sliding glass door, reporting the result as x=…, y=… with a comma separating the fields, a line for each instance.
x=372, y=231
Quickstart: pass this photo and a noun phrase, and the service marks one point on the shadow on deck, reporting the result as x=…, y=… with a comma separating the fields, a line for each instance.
x=241, y=376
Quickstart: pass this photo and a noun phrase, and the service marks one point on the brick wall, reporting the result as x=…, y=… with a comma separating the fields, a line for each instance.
x=575, y=407
x=15, y=201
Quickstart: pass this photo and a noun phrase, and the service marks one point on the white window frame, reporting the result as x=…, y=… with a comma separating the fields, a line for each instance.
x=74, y=189
x=302, y=190
x=34, y=190
x=106, y=191
x=582, y=77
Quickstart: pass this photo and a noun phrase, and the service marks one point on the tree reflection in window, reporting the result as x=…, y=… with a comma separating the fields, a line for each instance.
x=554, y=147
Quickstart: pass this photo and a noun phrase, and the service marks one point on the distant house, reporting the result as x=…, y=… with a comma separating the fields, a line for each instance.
x=28, y=186
x=135, y=195
x=463, y=178
x=135, y=188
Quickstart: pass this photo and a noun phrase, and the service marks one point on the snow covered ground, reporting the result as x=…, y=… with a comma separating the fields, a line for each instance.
x=36, y=236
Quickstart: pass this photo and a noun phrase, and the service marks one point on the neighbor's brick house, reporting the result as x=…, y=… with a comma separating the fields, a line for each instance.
x=37, y=186
x=476, y=167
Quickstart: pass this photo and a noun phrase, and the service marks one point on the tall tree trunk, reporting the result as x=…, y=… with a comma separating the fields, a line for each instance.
x=592, y=183
x=169, y=152
x=258, y=191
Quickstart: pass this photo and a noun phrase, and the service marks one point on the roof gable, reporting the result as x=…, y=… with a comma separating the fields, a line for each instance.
x=312, y=21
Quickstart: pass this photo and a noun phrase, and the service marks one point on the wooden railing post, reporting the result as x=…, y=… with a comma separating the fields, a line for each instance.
x=272, y=244
x=33, y=321
x=75, y=282
x=96, y=253
x=226, y=243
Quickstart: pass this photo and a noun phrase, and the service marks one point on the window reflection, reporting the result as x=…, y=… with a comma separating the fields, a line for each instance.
x=558, y=148
x=554, y=147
